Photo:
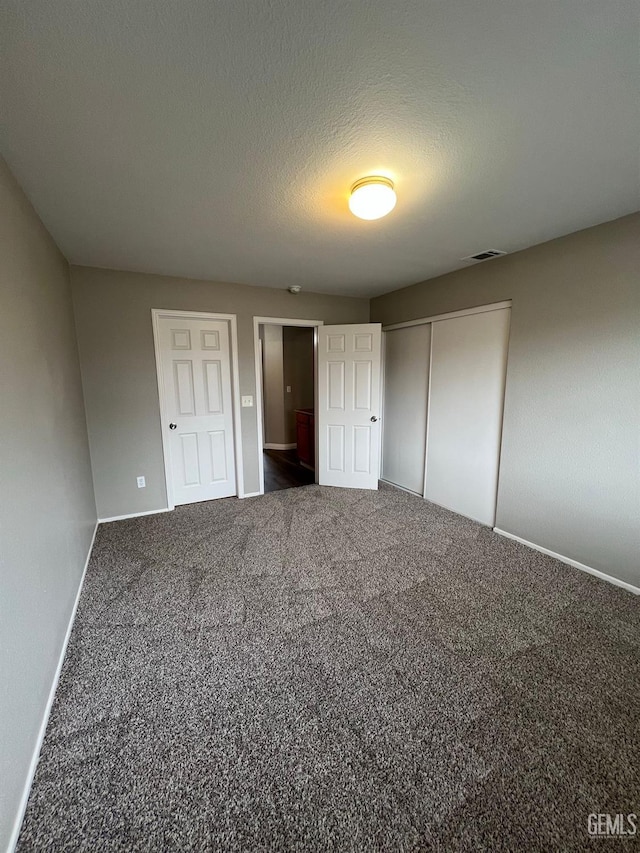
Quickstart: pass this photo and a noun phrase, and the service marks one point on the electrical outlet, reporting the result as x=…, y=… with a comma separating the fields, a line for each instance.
x=141, y=482
x=288, y=389
x=247, y=402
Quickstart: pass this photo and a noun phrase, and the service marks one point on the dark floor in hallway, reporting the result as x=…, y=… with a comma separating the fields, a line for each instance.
x=283, y=471
x=336, y=670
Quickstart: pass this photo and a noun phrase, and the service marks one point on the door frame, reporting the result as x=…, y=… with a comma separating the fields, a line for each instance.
x=281, y=321
x=463, y=312
x=161, y=313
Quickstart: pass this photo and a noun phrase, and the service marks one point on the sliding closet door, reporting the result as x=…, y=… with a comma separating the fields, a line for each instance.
x=404, y=422
x=466, y=393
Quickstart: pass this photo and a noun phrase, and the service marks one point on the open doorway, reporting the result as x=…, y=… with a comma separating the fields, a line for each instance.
x=285, y=366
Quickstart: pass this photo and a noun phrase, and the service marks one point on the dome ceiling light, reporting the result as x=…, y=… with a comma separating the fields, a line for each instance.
x=372, y=198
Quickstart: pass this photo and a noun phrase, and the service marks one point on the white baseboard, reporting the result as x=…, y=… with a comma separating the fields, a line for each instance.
x=570, y=562
x=270, y=446
x=133, y=515
x=252, y=494
x=13, y=838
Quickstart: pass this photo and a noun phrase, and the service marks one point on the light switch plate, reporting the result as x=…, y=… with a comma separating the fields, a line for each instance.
x=288, y=389
x=247, y=402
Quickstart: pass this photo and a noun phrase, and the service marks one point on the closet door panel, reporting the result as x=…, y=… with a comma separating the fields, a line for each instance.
x=466, y=396
x=404, y=426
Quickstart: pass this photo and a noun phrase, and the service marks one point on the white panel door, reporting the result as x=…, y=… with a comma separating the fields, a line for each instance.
x=466, y=395
x=198, y=414
x=404, y=428
x=349, y=405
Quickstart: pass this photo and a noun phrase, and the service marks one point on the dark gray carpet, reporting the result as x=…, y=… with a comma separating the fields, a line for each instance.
x=328, y=670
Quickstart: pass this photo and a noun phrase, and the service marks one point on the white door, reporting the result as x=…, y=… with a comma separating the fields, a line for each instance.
x=404, y=429
x=466, y=394
x=349, y=405
x=197, y=407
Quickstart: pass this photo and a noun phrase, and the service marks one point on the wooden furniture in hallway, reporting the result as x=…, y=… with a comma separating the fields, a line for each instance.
x=306, y=437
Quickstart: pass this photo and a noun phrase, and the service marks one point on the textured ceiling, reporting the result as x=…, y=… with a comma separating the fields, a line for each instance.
x=219, y=139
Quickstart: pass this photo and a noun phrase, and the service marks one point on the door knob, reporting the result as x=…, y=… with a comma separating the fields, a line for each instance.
x=373, y=419
x=172, y=426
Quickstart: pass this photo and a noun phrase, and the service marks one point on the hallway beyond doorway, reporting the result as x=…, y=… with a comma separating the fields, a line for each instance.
x=283, y=471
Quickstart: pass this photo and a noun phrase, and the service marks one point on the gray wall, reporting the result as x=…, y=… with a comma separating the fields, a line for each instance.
x=570, y=467
x=113, y=318
x=287, y=363
x=47, y=509
x=273, y=384
x=297, y=349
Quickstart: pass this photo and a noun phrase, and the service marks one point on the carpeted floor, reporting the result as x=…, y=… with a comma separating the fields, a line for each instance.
x=330, y=670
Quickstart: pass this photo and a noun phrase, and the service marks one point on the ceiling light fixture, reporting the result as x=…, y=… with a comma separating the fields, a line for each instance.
x=372, y=198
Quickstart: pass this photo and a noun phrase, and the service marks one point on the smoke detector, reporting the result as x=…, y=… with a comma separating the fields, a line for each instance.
x=295, y=288
x=486, y=255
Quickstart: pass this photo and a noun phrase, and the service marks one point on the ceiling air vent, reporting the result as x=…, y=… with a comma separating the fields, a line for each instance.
x=484, y=256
